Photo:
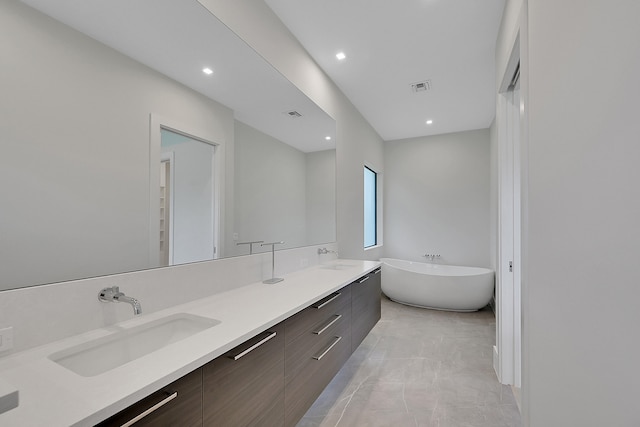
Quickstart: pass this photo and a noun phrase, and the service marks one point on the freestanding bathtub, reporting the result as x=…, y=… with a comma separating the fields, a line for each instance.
x=440, y=287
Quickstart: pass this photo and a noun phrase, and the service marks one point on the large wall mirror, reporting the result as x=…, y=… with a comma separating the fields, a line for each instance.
x=120, y=154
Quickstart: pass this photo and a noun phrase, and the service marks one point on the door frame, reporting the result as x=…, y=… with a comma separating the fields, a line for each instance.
x=507, y=352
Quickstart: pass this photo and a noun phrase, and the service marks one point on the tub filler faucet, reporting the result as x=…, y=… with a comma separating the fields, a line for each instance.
x=113, y=294
x=431, y=257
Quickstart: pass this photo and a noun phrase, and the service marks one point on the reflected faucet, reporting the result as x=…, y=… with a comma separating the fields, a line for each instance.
x=250, y=245
x=322, y=251
x=113, y=294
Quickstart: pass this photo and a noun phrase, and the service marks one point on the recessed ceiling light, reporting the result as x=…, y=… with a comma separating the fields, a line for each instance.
x=207, y=71
x=341, y=56
x=328, y=138
x=429, y=122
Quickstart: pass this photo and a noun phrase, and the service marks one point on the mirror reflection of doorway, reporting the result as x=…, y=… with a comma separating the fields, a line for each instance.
x=165, y=211
x=187, y=208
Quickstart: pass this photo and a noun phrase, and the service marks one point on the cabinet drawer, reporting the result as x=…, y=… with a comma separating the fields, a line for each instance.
x=245, y=386
x=179, y=403
x=365, y=306
x=310, y=372
x=302, y=351
x=301, y=323
x=365, y=285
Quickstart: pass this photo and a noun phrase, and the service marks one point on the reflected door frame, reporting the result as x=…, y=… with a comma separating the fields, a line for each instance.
x=168, y=158
x=156, y=124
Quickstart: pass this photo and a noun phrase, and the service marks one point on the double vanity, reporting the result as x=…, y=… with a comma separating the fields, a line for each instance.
x=256, y=355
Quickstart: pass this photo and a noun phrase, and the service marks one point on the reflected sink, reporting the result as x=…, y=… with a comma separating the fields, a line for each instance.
x=337, y=265
x=106, y=353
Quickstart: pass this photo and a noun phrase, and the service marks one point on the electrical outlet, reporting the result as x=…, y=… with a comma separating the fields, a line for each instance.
x=6, y=339
x=304, y=263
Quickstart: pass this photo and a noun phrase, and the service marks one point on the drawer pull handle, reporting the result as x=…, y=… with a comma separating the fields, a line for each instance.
x=328, y=325
x=328, y=349
x=253, y=347
x=322, y=303
x=152, y=409
x=378, y=271
x=364, y=279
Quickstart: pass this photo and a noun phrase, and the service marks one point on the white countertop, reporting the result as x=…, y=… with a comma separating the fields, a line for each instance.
x=51, y=395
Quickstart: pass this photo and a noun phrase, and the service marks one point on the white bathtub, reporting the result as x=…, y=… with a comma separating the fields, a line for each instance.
x=441, y=287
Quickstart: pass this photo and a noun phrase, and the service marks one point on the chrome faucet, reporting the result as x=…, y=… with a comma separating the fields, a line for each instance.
x=113, y=294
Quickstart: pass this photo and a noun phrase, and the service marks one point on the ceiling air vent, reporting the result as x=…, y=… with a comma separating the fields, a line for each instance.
x=421, y=86
x=293, y=114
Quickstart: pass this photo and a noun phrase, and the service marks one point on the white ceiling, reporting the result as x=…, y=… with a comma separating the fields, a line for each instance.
x=391, y=44
x=178, y=39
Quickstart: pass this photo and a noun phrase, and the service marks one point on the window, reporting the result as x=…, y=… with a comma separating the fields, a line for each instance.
x=370, y=208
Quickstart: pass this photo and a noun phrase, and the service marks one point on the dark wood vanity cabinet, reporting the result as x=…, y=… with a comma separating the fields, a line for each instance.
x=178, y=404
x=317, y=344
x=273, y=378
x=365, y=306
x=245, y=386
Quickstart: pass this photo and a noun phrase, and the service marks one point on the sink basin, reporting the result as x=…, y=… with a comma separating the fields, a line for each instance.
x=103, y=354
x=337, y=265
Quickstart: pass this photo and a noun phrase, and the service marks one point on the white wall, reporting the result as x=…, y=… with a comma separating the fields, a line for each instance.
x=281, y=193
x=321, y=196
x=580, y=297
x=437, y=198
x=584, y=208
x=270, y=190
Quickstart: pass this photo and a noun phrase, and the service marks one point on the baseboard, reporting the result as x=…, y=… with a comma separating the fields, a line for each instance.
x=517, y=393
x=496, y=362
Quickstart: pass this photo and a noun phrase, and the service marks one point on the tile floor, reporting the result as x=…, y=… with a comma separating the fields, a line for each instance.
x=419, y=368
